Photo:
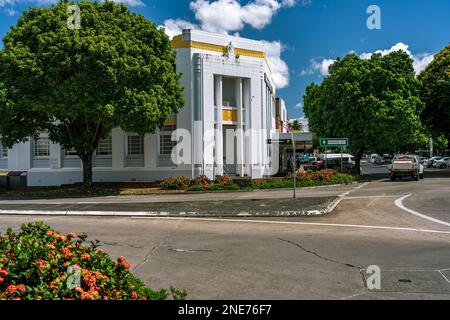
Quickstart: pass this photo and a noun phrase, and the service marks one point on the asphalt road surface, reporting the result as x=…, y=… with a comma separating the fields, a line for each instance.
x=402, y=227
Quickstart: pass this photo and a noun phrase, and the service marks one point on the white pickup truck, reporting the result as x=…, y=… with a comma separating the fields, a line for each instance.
x=406, y=165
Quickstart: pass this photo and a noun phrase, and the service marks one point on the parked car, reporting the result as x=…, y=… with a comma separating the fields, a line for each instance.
x=432, y=160
x=442, y=163
x=333, y=161
x=385, y=159
x=373, y=158
x=423, y=160
x=406, y=165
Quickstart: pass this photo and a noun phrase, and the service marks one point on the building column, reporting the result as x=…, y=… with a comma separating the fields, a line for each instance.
x=247, y=100
x=150, y=150
x=240, y=128
x=118, y=148
x=219, y=127
x=55, y=156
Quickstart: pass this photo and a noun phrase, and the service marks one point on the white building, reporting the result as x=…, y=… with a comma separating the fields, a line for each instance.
x=229, y=113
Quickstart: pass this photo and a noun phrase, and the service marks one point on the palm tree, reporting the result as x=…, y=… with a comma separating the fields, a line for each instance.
x=297, y=125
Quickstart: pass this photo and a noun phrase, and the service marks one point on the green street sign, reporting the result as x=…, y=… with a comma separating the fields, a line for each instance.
x=333, y=142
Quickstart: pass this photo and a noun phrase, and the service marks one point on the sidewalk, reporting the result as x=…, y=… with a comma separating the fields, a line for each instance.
x=274, y=203
x=218, y=208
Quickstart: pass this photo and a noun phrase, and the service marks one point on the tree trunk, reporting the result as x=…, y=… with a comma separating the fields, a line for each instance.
x=357, y=168
x=87, y=171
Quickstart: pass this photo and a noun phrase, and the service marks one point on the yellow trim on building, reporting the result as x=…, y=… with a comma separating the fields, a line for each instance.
x=179, y=43
x=171, y=122
x=229, y=115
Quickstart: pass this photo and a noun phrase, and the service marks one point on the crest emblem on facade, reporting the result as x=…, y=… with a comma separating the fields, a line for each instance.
x=230, y=51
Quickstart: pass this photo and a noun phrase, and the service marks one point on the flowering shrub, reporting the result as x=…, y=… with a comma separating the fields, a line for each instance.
x=178, y=183
x=322, y=175
x=39, y=263
x=223, y=180
x=203, y=181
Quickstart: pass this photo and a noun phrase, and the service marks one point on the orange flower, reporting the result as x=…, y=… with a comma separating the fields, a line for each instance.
x=52, y=285
x=90, y=280
x=85, y=256
x=50, y=233
x=134, y=295
x=79, y=290
x=60, y=237
x=3, y=273
x=11, y=289
x=66, y=252
x=1, y=279
x=21, y=288
x=123, y=262
x=50, y=246
x=72, y=235
x=41, y=264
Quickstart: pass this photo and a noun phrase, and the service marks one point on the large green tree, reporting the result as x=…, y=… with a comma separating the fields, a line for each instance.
x=117, y=70
x=436, y=94
x=374, y=102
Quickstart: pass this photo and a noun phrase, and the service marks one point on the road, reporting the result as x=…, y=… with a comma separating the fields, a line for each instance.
x=292, y=258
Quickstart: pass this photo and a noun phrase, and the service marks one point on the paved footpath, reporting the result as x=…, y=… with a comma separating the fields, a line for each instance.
x=309, y=201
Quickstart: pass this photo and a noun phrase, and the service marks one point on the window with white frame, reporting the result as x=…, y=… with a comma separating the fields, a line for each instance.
x=71, y=153
x=166, y=144
x=3, y=152
x=41, y=147
x=105, y=147
x=135, y=145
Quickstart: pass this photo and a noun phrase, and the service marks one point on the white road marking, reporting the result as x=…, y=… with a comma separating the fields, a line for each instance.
x=347, y=193
x=440, y=271
x=399, y=203
x=299, y=224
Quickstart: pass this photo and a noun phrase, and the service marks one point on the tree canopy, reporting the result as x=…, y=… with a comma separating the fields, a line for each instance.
x=375, y=103
x=436, y=94
x=117, y=70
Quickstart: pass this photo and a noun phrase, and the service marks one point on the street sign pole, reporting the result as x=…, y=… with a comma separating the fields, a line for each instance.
x=342, y=159
x=294, y=164
x=326, y=160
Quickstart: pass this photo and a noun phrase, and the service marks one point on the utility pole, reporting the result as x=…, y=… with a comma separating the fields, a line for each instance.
x=431, y=147
x=294, y=160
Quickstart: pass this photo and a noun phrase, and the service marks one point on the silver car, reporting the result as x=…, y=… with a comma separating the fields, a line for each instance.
x=442, y=163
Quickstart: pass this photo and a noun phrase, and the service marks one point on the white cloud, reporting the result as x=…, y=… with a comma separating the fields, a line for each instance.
x=420, y=61
x=280, y=69
x=223, y=16
x=11, y=12
x=298, y=106
x=174, y=27
x=318, y=67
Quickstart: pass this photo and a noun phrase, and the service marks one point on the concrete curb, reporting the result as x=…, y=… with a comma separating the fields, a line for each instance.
x=294, y=213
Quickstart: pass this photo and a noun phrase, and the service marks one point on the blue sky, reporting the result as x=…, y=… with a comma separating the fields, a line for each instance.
x=302, y=36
